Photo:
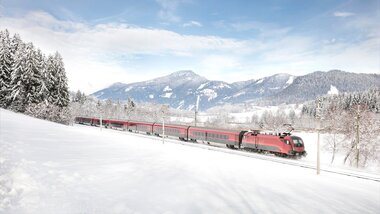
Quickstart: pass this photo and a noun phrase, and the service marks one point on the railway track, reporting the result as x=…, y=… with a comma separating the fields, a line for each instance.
x=362, y=175
x=292, y=162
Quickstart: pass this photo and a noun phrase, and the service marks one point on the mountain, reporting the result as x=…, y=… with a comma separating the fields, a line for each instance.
x=264, y=87
x=181, y=89
x=316, y=84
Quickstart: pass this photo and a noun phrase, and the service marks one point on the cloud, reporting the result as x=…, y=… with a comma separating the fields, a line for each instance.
x=169, y=9
x=343, y=14
x=261, y=28
x=92, y=52
x=192, y=24
x=97, y=55
x=220, y=62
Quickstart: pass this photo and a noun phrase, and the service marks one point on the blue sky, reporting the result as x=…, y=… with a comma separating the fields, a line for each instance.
x=125, y=41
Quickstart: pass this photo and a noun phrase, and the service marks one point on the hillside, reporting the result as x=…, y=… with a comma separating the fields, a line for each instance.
x=52, y=168
x=180, y=89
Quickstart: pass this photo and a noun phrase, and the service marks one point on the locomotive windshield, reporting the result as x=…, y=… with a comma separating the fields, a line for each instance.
x=297, y=141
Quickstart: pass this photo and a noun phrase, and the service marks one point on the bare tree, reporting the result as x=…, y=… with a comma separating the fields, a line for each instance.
x=274, y=121
x=361, y=131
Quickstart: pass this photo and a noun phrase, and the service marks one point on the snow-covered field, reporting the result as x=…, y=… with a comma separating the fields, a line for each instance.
x=51, y=168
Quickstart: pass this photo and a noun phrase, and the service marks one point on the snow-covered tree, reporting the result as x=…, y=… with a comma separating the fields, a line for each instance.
x=362, y=139
x=129, y=108
x=6, y=62
x=79, y=97
x=56, y=81
x=274, y=121
x=27, y=81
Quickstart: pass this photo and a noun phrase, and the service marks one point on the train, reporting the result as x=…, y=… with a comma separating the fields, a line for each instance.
x=283, y=144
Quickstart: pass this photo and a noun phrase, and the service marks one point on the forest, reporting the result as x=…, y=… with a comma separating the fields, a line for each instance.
x=31, y=82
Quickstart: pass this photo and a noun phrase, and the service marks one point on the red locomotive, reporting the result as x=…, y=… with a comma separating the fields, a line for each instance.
x=281, y=144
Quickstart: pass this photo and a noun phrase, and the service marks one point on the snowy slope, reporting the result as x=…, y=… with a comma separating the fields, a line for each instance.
x=51, y=168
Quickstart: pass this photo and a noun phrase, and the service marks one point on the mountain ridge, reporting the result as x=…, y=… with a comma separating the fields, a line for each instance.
x=180, y=89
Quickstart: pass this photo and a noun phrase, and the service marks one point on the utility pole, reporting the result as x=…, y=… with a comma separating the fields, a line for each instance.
x=318, y=117
x=99, y=106
x=163, y=129
x=164, y=109
x=196, y=111
x=100, y=122
x=357, y=135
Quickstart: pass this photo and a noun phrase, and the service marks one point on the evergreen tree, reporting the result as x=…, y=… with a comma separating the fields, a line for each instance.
x=79, y=97
x=27, y=82
x=56, y=81
x=6, y=62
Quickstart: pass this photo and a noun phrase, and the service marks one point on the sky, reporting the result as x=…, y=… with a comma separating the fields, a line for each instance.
x=103, y=42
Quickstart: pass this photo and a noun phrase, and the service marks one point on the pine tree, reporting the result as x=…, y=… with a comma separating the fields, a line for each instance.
x=56, y=81
x=79, y=97
x=6, y=62
x=27, y=82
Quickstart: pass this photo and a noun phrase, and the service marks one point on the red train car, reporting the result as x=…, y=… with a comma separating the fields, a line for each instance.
x=140, y=127
x=228, y=137
x=116, y=124
x=171, y=130
x=281, y=145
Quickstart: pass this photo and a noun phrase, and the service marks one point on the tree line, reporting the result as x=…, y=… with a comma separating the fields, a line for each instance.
x=352, y=121
x=30, y=81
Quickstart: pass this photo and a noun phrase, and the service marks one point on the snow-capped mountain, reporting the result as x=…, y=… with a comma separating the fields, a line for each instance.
x=181, y=89
x=313, y=85
x=264, y=87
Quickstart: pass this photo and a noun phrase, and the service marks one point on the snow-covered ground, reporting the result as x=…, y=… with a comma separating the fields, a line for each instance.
x=325, y=156
x=51, y=168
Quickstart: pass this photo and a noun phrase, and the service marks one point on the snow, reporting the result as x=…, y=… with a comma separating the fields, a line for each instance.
x=167, y=95
x=274, y=88
x=190, y=107
x=290, y=80
x=333, y=90
x=128, y=89
x=202, y=86
x=211, y=94
x=259, y=81
x=52, y=168
x=180, y=104
x=221, y=85
x=167, y=88
x=239, y=94
x=151, y=96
